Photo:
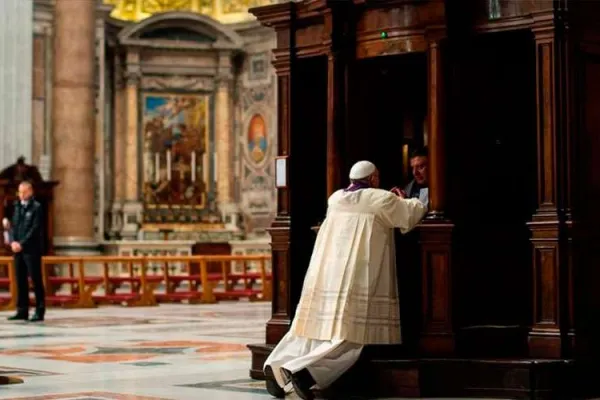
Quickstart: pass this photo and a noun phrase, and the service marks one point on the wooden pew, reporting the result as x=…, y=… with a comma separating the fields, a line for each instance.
x=8, y=301
x=203, y=287
x=81, y=286
x=142, y=286
x=199, y=286
x=230, y=279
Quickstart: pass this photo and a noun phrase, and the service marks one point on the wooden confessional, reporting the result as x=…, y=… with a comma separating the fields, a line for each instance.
x=501, y=277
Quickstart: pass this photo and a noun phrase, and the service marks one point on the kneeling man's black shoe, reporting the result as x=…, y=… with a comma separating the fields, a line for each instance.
x=272, y=386
x=303, y=382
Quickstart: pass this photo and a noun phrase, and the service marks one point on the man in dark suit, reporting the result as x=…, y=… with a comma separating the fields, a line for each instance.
x=27, y=248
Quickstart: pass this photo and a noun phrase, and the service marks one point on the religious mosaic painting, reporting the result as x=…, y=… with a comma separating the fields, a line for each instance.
x=258, y=143
x=258, y=140
x=176, y=160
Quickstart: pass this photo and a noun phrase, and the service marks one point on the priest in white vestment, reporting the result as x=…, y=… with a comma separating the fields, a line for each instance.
x=350, y=294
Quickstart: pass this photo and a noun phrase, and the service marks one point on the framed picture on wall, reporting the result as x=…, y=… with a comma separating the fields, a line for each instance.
x=258, y=66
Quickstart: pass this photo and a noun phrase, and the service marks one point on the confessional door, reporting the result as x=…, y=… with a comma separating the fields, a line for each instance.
x=491, y=181
x=308, y=162
x=388, y=108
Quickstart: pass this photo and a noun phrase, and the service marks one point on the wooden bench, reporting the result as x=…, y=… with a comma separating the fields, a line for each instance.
x=8, y=299
x=81, y=286
x=199, y=288
x=230, y=279
x=73, y=286
x=141, y=286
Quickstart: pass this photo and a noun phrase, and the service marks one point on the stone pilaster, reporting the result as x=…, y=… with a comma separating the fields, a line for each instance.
x=16, y=50
x=101, y=156
x=132, y=206
x=74, y=125
x=119, y=141
x=43, y=17
x=223, y=136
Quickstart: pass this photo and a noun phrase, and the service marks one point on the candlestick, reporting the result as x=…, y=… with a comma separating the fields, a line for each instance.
x=169, y=165
x=156, y=167
x=193, y=166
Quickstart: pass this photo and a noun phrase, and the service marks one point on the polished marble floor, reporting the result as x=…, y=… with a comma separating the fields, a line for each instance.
x=170, y=352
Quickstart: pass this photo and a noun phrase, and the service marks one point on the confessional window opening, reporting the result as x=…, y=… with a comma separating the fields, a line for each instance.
x=388, y=110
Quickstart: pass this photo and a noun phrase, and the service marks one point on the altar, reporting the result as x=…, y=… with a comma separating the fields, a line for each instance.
x=505, y=95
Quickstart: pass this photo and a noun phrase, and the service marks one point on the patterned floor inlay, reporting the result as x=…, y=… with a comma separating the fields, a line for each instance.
x=20, y=372
x=236, y=385
x=127, y=352
x=145, y=353
x=90, y=396
x=98, y=321
x=147, y=364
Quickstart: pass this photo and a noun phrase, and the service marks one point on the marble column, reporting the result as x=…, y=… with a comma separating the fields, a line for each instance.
x=119, y=138
x=73, y=126
x=16, y=51
x=224, y=141
x=43, y=19
x=101, y=156
x=132, y=206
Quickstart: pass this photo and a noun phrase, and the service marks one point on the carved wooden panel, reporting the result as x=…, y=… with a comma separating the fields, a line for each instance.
x=546, y=126
x=280, y=247
x=491, y=10
x=437, y=335
x=283, y=138
x=391, y=46
x=310, y=36
x=397, y=30
x=546, y=287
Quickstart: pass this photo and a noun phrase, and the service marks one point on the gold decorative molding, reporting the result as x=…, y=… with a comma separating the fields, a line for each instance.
x=226, y=11
x=182, y=227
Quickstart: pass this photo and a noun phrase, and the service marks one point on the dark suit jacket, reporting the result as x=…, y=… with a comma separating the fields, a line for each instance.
x=27, y=226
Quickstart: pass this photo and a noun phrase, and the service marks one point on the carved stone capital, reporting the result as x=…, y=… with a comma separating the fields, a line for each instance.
x=132, y=77
x=224, y=83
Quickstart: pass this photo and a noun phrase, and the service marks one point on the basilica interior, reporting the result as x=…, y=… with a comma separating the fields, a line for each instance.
x=148, y=129
x=183, y=151
x=157, y=115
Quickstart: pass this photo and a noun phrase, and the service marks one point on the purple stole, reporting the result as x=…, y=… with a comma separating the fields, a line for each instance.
x=357, y=186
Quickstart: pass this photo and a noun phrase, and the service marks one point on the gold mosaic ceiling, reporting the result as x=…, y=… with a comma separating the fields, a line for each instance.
x=226, y=11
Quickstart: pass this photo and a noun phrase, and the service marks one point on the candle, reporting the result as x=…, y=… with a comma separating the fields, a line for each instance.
x=193, y=166
x=157, y=167
x=205, y=167
x=169, y=165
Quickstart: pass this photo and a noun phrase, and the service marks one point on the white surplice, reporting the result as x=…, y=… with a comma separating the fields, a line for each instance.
x=350, y=293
